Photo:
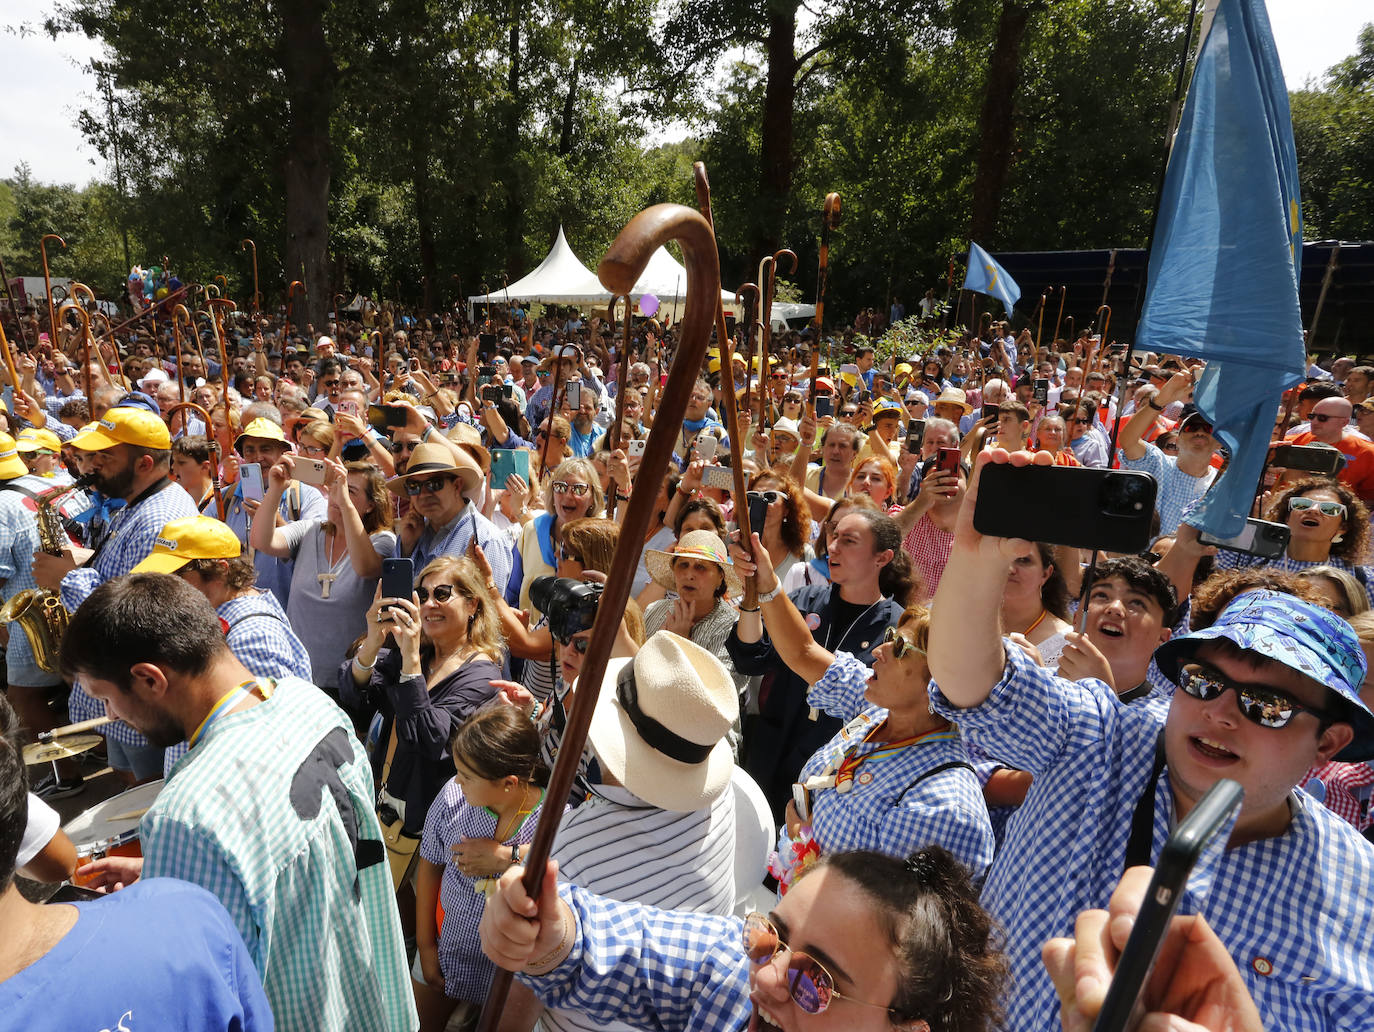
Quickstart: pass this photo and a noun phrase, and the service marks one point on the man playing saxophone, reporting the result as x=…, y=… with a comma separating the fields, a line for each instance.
x=131, y=456
x=34, y=684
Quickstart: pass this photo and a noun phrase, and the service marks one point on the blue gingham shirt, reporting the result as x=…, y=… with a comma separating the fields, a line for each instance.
x=1177, y=490
x=893, y=812
x=660, y=969
x=1229, y=560
x=1294, y=910
x=454, y=538
x=128, y=542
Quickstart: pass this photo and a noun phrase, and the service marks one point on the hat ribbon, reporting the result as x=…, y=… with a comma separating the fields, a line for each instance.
x=654, y=734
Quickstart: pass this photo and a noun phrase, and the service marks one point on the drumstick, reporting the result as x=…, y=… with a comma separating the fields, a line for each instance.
x=86, y=725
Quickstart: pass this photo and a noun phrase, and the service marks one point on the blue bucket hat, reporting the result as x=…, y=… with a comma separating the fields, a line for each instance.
x=1310, y=639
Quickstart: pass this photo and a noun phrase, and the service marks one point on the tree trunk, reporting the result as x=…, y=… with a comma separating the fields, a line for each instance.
x=775, y=153
x=565, y=136
x=995, y=122
x=309, y=75
x=514, y=214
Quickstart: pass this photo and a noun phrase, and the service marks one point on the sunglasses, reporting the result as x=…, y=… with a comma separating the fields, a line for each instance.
x=441, y=593
x=809, y=984
x=400, y=446
x=580, y=644
x=1325, y=508
x=1267, y=707
x=1322, y=417
x=902, y=646
x=433, y=486
x=1197, y=426
x=576, y=490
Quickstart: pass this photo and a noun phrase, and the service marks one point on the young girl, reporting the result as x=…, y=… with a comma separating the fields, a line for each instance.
x=474, y=831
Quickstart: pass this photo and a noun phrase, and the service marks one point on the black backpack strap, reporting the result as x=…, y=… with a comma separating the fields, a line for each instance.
x=1143, y=817
x=940, y=769
x=249, y=616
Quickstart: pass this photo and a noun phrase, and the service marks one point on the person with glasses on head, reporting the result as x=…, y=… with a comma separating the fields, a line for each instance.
x=894, y=773
x=336, y=561
x=1182, y=478
x=572, y=492
x=1269, y=691
x=1331, y=426
x=448, y=649
x=439, y=480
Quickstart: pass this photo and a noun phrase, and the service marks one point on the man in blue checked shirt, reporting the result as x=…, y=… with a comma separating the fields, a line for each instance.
x=1270, y=690
x=1184, y=478
x=130, y=458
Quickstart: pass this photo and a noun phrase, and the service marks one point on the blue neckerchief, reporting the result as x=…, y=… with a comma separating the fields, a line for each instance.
x=543, y=530
x=101, y=507
x=821, y=565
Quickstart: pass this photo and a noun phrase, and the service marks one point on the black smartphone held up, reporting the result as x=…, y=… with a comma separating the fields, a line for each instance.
x=1109, y=509
x=484, y=374
x=825, y=405
x=395, y=415
x=1320, y=459
x=1176, y=861
x=1260, y=537
x=915, y=434
x=493, y=393
x=1041, y=391
x=989, y=413
x=486, y=343
x=398, y=579
x=758, y=511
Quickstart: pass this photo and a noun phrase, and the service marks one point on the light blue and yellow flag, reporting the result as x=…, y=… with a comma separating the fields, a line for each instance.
x=985, y=276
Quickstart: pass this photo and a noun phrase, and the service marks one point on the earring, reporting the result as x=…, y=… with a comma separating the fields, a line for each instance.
x=1338, y=539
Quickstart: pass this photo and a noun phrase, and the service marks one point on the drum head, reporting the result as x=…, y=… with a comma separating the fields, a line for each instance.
x=115, y=819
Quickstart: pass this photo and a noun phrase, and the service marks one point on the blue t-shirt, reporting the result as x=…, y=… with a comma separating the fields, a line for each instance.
x=161, y=954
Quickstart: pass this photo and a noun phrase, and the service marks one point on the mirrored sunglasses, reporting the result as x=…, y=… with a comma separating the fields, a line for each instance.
x=576, y=490
x=1267, y=707
x=1325, y=508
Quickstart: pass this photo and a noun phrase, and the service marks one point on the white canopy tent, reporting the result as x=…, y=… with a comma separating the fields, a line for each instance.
x=561, y=278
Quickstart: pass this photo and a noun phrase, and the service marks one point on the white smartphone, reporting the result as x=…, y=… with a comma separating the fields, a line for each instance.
x=573, y=394
x=250, y=474
x=706, y=447
x=636, y=448
x=309, y=471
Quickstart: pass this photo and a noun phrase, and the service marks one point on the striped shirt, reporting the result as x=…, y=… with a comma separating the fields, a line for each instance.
x=897, y=800
x=1293, y=910
x=272, y=811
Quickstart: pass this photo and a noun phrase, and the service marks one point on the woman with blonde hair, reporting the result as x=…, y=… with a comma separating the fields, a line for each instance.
x=573, y=492
x=449, y=648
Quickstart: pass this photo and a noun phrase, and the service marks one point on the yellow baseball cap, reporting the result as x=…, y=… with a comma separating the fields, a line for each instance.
x=11, y=465
x=191, y=537
x=263, y=429
x=34, y=439
x=124, y=425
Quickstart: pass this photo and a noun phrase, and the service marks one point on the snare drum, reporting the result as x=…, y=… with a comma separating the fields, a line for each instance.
x=111, y=828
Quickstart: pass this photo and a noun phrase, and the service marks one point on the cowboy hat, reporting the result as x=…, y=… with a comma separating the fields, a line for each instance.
x=661, y=721
x=429, y=459
x=695, y=544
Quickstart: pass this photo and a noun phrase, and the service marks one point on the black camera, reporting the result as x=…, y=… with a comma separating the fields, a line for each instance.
x=569, y=605
x=492, y=392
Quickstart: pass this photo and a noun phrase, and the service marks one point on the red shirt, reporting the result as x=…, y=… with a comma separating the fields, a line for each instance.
x=1359, y=467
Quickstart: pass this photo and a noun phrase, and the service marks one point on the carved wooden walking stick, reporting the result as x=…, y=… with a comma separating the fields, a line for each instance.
x=257, y=297
x=178, y=312
x=217, y=306
x=1063, y=293
x=85, y=340
x=747, y=318
x=47, y=280
x=623, y=264
x=830, y=219
x=214, y=448
x=290, y=305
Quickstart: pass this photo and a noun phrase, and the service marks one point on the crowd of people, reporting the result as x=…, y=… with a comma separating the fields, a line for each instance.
x=866, y=767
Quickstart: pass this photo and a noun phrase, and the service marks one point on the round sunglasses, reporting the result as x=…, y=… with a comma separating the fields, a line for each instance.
x=1267, y=707
x=441, y=593
x=810, y=985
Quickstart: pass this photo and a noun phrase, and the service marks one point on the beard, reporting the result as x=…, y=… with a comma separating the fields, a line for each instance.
x=115, y=485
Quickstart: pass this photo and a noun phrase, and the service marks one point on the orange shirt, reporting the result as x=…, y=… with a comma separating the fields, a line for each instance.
x=1359, y=467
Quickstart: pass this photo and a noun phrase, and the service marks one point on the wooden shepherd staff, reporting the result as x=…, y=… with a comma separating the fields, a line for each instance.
x=623, y=264
x=830, y=218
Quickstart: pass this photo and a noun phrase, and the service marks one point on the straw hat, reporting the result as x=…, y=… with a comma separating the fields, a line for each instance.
x=695, y=544
x=429, y=459
x=953, y=396
x=467, y=436
x=661, y=721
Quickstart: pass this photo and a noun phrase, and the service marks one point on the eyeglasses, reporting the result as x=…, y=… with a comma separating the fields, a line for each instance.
x=434, y=485
x=1325, y=508
x=580, y=644
x=901, y=644
x=1267, y=707
x=809, y=984
x=441, y=593
x=541, y=373
x=401, y=446
x=312, y=449
x=576, y=490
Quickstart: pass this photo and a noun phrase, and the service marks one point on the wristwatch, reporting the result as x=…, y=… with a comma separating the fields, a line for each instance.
x=777, y=590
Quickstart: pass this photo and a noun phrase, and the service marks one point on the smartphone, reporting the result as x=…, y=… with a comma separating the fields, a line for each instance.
x=915, y=434
x=1042, y=391
x=720, y=478
x=989, y=413
x=505, y=461
x=635, y=448
x=758, y=511
x=492, y=392
x=706, y=447
x=309, y=471
x=1176, y=861
x=396, y=415
x=1309, y=458
x=348, y=407
x=8, y=394
x=486, y=343
x=398, y=578
x=508, y=390
x=250, y=476
x=801, y=800
x=484, y=374
x=948, y=461
x=825, y=405
x=1260, y=537
x=573, y=394
x=1108, y=509
x=414, y=365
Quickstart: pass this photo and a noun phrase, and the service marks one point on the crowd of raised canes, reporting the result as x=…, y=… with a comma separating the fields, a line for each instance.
x=913, y=784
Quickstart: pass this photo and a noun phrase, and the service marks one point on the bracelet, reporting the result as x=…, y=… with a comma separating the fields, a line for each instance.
x=553, y=954
x=1157, y=408
x=744, y=609
x=364, y=666
x=622, y=497
x=769, y=596
x=428, y=430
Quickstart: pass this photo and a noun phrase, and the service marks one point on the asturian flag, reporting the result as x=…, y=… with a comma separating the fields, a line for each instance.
x=985, y=276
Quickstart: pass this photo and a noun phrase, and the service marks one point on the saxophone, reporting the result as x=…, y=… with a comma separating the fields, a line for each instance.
x=40, y=613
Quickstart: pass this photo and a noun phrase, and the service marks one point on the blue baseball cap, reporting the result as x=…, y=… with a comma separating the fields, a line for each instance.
x=1308, y=638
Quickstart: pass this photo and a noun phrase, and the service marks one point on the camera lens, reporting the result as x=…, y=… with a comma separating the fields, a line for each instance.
x=1127, y=494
